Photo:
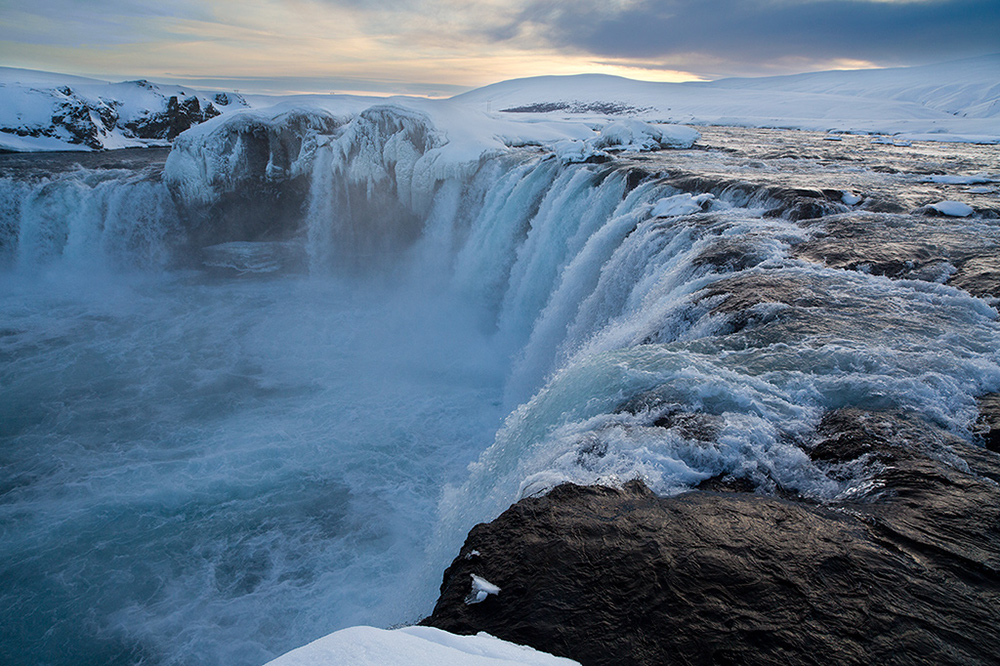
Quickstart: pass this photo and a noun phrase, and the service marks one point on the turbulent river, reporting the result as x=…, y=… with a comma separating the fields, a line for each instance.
x=219, y=442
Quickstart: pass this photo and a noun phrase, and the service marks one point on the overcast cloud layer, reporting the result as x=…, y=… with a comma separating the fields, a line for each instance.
x=742, y=36
x=440, y=46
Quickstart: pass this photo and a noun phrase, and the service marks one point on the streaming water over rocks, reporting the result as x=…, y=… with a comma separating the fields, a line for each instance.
x=231, y=428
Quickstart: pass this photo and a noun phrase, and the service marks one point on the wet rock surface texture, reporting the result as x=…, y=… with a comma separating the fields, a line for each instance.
x=905, y=572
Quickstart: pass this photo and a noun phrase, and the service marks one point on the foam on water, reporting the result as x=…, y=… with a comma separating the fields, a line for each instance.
x=212, y=470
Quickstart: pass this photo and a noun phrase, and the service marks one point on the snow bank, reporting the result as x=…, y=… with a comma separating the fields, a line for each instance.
x=414, y=646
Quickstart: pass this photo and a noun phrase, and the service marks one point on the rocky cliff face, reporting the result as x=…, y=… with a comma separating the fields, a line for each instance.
x=906, y=572
x=97, y=115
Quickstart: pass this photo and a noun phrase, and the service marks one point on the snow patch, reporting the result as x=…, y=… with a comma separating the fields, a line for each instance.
x=850, y=198
x=481, y=588
x=681, y=204
x=414, y=646
x=952, y=208
x=974, y=179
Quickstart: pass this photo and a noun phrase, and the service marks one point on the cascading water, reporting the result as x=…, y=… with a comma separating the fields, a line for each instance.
x=90, y=220
x=205, y=467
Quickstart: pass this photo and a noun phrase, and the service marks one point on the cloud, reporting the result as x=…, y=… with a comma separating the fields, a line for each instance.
x=761, y=32
x=393, y=43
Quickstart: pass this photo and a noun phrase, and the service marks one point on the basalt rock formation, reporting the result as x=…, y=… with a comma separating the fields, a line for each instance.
x=904, y=570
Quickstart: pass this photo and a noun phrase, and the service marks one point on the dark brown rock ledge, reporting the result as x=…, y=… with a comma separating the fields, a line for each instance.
x=908, y=574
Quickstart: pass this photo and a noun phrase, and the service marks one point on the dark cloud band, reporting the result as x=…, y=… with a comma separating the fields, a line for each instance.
x=769, y=30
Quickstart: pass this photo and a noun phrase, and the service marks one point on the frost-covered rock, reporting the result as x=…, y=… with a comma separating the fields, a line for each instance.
x=573, y=151
x=249, y=148
x=246, y=177
x=636, y=136
x=359, y=184
x=681, y=204
x=850, y=198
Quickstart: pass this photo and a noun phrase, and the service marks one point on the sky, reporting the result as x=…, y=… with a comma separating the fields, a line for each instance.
x=442, y=47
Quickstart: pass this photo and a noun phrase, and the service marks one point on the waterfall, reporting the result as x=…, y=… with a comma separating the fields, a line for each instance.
x=293, y=366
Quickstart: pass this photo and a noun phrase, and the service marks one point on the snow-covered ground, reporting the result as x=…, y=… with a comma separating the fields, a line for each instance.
x=958, y=101
x=414, y=646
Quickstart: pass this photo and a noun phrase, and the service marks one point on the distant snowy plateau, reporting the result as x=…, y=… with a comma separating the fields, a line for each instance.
x=956, y=101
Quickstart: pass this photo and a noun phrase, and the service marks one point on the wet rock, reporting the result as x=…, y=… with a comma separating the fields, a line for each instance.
x=731, y=255
x=867, y=243
x=742, y=292
x=979, y=274
x=988, y=427
x=907, y=572
x=790, y=203
x=907, y=247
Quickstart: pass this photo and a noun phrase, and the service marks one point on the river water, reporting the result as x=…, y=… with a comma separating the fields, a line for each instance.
x=213, y=457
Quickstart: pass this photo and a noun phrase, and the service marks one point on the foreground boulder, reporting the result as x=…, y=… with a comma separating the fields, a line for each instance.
x=906, y=572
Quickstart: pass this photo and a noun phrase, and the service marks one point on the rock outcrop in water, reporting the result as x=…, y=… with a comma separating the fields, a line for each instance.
x=905, y=571
x=258, y=177
x=248, y=180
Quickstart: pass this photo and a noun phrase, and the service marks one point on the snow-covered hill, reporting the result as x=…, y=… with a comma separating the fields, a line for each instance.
x=967, y=88
x=956, y=101
x=45, y=111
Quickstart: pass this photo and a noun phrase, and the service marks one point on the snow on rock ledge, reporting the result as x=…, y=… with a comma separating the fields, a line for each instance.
x=630, y=136
x=414, y=646
x=225, y=155
x=246, y=177
x=636, y=136
x=952, y=208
